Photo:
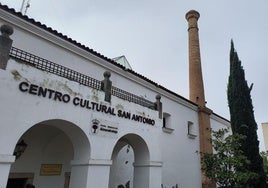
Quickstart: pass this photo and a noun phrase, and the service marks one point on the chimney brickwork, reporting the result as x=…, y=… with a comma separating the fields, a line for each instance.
x=197, y=94
x=195, y=71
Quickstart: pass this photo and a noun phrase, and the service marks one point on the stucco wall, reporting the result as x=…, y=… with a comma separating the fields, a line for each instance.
x=172, y=154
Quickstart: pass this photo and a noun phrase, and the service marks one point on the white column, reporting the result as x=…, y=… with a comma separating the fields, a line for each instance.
x=5, y=163
x=155, y=174
x=148, y=175
x=94, y=173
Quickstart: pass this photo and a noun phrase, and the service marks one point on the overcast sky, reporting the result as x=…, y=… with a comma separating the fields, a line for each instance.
x=152, y=34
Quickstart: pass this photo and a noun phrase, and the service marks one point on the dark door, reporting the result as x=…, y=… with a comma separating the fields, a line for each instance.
x=16, y=182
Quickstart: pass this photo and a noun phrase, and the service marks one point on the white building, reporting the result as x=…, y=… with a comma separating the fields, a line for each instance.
x=265, y=134
x=86, y=121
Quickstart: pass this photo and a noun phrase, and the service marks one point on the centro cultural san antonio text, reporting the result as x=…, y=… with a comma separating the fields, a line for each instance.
x=40, y=91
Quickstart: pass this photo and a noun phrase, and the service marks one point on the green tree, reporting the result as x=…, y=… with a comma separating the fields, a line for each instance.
x=242, y=117
x=264, y=156
x=221, y=166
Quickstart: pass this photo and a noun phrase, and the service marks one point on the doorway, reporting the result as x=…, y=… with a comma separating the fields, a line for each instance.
x=130, y=157
x=19, y=180
x=16, y=182
x=48, y=155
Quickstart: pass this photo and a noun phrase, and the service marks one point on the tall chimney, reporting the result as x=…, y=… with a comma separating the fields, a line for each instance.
x=197, y=94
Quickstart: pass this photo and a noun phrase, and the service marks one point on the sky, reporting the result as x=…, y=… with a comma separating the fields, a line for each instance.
x=153, y=36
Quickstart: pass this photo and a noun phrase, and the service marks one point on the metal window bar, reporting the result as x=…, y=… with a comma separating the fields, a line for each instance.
x=70, y=74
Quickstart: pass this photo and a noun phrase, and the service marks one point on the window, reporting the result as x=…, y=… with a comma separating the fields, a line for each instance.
x=167, y=123
x=191, y=132
x=166, y=120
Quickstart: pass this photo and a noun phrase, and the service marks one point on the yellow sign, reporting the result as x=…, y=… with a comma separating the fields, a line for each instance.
x=50, y=169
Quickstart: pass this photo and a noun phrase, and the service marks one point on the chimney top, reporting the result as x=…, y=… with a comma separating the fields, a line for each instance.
x=192, y=14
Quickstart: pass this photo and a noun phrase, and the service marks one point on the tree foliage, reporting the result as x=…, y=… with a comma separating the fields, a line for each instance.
x=242, y=117
x=264, y=156
x=222, y=165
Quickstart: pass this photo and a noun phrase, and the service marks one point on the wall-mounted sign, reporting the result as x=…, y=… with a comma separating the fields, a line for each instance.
x=103, y=127
x=50, y=169
x=80, y=102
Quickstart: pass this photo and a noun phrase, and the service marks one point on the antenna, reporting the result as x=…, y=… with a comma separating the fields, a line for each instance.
x=23, y=7
x=27, y=6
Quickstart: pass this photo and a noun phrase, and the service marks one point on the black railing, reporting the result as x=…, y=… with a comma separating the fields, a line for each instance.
x=54, y=68
x=70, y=74
x=131, y=97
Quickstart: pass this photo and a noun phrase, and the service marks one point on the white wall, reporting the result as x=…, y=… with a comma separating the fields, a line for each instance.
x=175, y=151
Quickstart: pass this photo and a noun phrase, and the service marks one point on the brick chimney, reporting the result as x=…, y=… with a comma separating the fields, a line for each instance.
x=197, y=94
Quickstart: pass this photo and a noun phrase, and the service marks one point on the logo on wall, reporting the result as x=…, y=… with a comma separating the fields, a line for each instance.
x=103, y=127
x=95, y=126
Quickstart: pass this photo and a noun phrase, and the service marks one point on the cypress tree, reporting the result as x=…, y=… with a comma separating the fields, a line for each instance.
x=242, y=118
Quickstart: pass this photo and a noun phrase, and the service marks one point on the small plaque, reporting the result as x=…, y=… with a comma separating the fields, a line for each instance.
x=50, y=169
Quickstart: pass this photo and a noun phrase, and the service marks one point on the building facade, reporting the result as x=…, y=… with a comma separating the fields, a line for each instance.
x=70, y=117
x=265, y=134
